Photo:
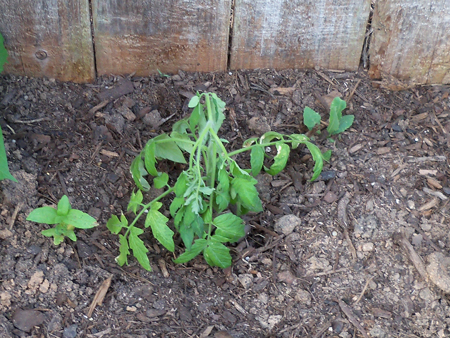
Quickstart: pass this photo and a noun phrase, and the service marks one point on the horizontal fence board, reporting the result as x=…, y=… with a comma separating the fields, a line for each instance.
x=49, y=38
x=298, y=33
x=166, y=35
x=411, y=40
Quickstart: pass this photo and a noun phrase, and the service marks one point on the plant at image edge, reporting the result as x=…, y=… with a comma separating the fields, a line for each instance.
x=336, y=124
x=4, y=170
x=65, y=218
x=203, y=192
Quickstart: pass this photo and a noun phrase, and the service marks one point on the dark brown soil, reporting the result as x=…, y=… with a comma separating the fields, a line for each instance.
x=347, y=270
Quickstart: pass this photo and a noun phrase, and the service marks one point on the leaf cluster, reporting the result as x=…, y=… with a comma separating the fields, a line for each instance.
x=337, y=122
x=65, y=218
x=203, y=192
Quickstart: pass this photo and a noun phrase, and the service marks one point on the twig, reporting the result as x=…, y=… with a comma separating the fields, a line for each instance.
x=343, y=219
x=63, y=184
x=100, y=295
x=259, y=227
x=400, y=238
x=351, y=317
x=353, y=91
x=327, y=272
x=30, y=121
x=14, y=215
x=363, y=290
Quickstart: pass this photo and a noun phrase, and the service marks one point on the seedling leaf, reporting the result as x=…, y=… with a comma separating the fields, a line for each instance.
x=63, y=206
x=345, y=123
x=138, y=172
x=217, y=254
x=247, y=193
x=256, y=160
x=310, y=118
x=158, y=223
x=194, y=101
x=114, y=225
x=161, y=180
x=280, y=159
x=138, y=247
x=186, y=234
x=135, y=201
x=229, y=226
x=318, y=159
x=45, y=215
x=198, y=246
x=149, y=159
x=124, y=252
x=168, y=149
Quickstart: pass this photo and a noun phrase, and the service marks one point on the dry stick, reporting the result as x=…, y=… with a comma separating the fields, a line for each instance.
x=353, y=91
x=63, y=184
x=100, y=295
x=327, y=272
x=363, y=290
x=14, y=215
x=412, y=254
x=351, y=317
x=342, y=215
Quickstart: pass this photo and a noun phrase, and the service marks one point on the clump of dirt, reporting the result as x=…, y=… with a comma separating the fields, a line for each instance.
x=362, y=251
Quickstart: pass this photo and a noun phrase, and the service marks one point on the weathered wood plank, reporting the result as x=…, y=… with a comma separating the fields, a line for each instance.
x=298, y=33
x=49, y=38
x=411, y=40
x=166, y=35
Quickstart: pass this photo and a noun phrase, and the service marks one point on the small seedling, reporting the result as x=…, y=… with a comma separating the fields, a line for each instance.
x=203, y=192
x=65, y=218
x=336, y=124
x=4, y=170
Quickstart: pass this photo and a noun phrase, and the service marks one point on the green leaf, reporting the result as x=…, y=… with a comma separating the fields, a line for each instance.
x=176, y=204
x=345, y=123
x=138, y=172
x=71, y=235
x=149, y=158
x=4, y=170
x=198, y=246
x=196, y=115
x=298, y=139
x=3, y=54
x=310, y=118
x=184, y=141
x=318, y=159
x=219, y=238
x=158, y=223
x=269, y=136
x=114, y=224
x=194, y=101
x=47, y=215
x=161, y=180
x=135, y=201
x=327, y=155
x=247, y=143
x=181, y=185
x=198, y=226
x=230, y=226
x=138, y=247
x=53, y=232
x=124, y=252
x=186, y=234
x=217, y=254
x=63, y=206
x=256, y=160
x=167, y=148
x=336, y=108
x=80, y=219
x=181, y=126
x=280, y=159
x=247, y=193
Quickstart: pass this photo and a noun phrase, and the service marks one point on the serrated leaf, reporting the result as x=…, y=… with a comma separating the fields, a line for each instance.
x=219, y=238
x=161, y=180
x=167, y=148
x=124, y=252
x=138, y=247
x=206, y=190
x=195, y=117
x=135, y=201
x=58, y=238
x=123, y=220
x=269, y=136
x=181, y=126
x=45, y=215
x=187, y=235
x=207, y=216
x=318, y=159
x=63, y=206
x=217, y=254
x=236, y=170
x=298, y=139
x=198, y=226
x=184, y=141
x=114, y=224
x=310, y=118
x=336, y=108
x=176, y=204
x=149, y=158
x=247, y=193
x=256, y=160
x=198, y=246
x=280, y=160
x=80, y=220
x=345, y=123
x=194, y=101
x=158, y=223
x=71, y=235
x=138, y=172
x=179, y=217
x=247, y=143
x=230, y=226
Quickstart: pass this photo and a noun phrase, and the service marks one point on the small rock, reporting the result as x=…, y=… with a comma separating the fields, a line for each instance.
x=95, y=212
x=417, y=239
x=36, y=279
x=131, y=308
x=286, y=276
x=25, y=320
x=366, y=247
x=115, y=122
x=287, y=224
x=71, y=331
x=5, y=233
x=153, y=119
x=411, y=205
x=270, y=321
x=84, y=250
x=427, y=295
x=259, y=125
x=425, y=226
x=246, y=280
x=154, y=313
x=5, y=299
x=328, y=175
x=44, y=286
x=330, y=197
x=128, y=102
x=303, y=297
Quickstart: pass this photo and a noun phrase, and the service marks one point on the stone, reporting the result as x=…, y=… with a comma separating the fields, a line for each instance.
x=152, y=119
x=246, y=280
x=303, y=297
x=287, y=224
x=71, y=331
x=259, y=124
x=366, y=247
x=25, y=320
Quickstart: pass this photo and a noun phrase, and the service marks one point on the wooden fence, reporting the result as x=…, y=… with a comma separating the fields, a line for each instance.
x=79, y=39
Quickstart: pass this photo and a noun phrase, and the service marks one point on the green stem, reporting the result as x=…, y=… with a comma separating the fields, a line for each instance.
x=260, y=145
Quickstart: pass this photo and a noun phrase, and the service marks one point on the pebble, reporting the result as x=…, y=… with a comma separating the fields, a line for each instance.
x=286, y=276
x=71, y=331
x=417, y=239
x=328, y=175
x=131, y=308
x=259, y=125
x=366, y=247
x=25, y=320
x=246, y=280
x=303, y=297
x=330, y=197
x=287, y=224
x=153, y=119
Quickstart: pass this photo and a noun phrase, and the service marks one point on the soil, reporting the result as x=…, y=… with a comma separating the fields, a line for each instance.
x=361, y=252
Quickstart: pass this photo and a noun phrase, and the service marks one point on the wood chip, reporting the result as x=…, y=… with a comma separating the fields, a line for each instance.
x=426, y=159
x=401, y=240
x=109, y=153
x=98, y=107
x=343, y=219
x=100, y=295
x=351, y=317
x=355, y=148
x=377, y=312
x=125, y=87
x=434, y=183
x=435, y=193
x=207, y=331
x=162, y=266
x=429, y=205
x=282, y=90
x=383, y=150
x=426, y=172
